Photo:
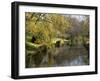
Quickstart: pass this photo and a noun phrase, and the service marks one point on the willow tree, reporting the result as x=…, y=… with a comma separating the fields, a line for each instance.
x=45, y=26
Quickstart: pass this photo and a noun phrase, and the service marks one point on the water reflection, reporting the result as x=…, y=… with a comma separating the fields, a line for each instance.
x=60, y=56
x=72, y=62
x=67, y=56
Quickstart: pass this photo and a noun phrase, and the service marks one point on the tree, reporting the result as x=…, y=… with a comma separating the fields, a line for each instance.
x=46, y=26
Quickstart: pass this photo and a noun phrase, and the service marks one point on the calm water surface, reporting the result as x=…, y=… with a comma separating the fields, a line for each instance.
x=71, y=56
x=68, y=56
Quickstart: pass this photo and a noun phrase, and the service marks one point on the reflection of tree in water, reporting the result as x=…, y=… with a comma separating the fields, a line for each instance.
x=71, y=56
x=62, y=56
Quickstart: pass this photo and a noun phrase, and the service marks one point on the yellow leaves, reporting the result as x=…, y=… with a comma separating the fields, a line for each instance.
x=46, y=28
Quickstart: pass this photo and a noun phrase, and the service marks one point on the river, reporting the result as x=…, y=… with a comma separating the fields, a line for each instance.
x=71, y=56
